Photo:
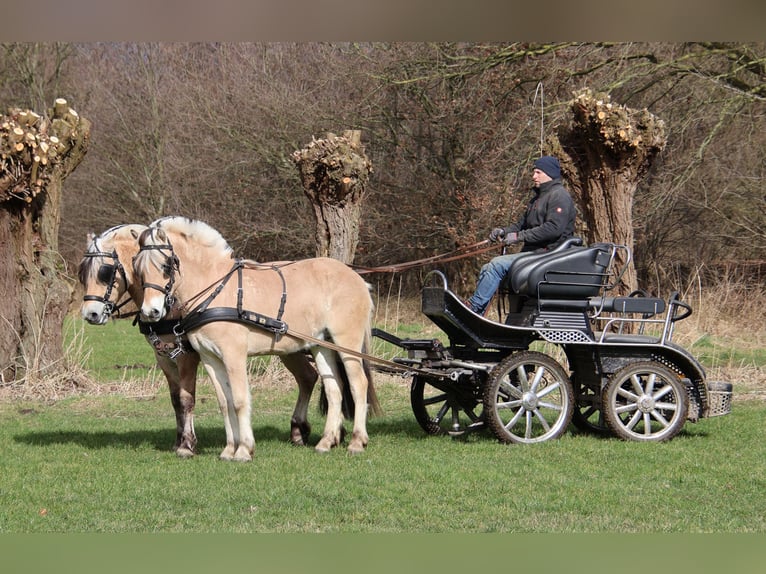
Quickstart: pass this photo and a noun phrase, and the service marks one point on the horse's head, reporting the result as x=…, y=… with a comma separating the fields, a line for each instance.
x=156, y=267
x=102, y=274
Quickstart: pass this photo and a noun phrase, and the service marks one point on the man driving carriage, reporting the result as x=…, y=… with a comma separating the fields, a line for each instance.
x=548, y=221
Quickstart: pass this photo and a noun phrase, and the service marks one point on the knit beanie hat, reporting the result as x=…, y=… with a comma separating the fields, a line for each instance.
x=549, y=165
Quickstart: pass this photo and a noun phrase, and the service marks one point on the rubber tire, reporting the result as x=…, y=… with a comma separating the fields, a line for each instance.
x=623, y=405
x=502, y=418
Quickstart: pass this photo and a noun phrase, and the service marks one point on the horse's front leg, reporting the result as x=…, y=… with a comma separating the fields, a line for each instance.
x=333, y=430
x=217, y=372
x=187, y=370
x=236, y=370
x=305, y=375
x=170, y=370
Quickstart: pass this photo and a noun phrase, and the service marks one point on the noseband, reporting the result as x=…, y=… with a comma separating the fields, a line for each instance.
x=107, y=274
x=169, y=268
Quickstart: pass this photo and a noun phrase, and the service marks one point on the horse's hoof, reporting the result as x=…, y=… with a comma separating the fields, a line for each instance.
x=324, y=446
x=183, y=452
x=355, y=448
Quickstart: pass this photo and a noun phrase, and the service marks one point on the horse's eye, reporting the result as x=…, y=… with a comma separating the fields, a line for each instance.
x=105, y=274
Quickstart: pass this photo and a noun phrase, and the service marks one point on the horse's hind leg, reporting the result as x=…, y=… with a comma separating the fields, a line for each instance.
x=357, y=379
x=325, y=362
x=305, y=375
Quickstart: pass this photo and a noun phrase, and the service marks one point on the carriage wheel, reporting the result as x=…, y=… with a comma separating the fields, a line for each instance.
x=528, y=398
x=588, y=415
x=451, y=408
x=645, y=401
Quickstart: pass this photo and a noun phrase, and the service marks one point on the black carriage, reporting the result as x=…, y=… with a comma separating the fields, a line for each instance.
x=567, y=351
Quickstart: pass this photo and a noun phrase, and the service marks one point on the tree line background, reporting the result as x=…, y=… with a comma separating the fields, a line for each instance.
x=207, y=130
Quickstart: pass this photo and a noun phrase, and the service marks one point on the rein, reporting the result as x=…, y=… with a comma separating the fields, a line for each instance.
x=459, y=253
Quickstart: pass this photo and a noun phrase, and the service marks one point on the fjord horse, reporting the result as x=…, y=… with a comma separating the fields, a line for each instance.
x=106, y=274
x=187, y=265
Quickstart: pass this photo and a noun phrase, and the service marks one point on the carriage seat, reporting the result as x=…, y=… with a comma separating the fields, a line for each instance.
x=569, y=274
x=527, y=257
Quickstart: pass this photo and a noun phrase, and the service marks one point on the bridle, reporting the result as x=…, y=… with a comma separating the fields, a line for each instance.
x=107, y=274
x=169, y=268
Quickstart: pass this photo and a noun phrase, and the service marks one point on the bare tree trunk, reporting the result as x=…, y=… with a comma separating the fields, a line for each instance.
x=38, y=153
x=334, y=173
x=604, y=153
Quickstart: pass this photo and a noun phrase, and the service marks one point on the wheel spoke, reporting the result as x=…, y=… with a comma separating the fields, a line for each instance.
x=539, y=373
x=549, y=389
x=625, y=393
x=634, y=420
x=523, y=380
x=650, y=383
x=543, y=420
x=550, y=406
x=442, y=411
x=629, y=408
x=637, y=387
x=659, y=418
x=662, y=392
x=435, y=399
x=512, y=423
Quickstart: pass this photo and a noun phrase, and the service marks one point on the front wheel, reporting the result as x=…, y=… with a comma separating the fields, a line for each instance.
x=528, y=399
x=447, y=407
x=645, y=401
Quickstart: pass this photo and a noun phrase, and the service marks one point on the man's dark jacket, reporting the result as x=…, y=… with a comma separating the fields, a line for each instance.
x=549, y=218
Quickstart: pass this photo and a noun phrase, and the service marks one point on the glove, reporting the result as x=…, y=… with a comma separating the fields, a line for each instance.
x=496, y=234
x=511, y=238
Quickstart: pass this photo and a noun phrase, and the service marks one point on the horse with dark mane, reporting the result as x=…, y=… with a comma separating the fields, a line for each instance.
x=233, y=308
x=106, y=274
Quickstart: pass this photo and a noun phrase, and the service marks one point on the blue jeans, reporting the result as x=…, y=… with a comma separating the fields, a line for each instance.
x=490, y=277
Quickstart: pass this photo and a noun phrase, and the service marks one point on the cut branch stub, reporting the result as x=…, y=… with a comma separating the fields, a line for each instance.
x=32, y=147
x=334, y=172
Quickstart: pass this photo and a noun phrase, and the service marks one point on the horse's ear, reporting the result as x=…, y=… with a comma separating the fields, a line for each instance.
x=90, y=237
x=134, y=234
x=161, y=235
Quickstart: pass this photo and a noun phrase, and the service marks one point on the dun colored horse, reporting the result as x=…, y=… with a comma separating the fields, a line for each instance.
x=233, y=308
x=106, y=274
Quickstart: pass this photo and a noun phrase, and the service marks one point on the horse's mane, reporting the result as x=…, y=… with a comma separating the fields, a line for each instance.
x=195, y=230
x=103, y=243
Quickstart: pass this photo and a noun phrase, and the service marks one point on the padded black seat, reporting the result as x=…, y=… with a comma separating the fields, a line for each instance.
x=574, y=273
x=531, y=256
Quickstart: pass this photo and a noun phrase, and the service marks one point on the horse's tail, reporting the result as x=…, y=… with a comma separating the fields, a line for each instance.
x=372, y=395
x=347, y=398
x=348, y=404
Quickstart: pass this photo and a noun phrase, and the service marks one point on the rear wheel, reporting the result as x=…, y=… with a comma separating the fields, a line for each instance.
x=645, y=401
x=447, y=407
x=588, y=415
x=528, y=399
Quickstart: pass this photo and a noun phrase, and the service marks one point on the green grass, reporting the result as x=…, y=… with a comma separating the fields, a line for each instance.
x=103, y=463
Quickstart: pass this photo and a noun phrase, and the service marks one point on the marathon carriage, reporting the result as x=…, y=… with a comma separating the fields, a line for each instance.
x=621, y=372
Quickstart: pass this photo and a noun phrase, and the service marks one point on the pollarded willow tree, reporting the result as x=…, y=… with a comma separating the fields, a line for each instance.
x=605, y=152
x=37, y=153
x=334, y=172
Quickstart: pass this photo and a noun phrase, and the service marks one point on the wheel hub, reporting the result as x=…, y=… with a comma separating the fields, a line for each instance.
x=530, y=401
x=646, y=404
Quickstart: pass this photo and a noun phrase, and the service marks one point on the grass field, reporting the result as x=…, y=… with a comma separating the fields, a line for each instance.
x=100, y=461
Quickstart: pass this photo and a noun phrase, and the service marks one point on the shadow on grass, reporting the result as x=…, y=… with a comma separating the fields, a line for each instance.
x=208, y=439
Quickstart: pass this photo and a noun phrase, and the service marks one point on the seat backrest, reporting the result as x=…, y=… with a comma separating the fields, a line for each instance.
x=576, y=273
x=526, y=258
